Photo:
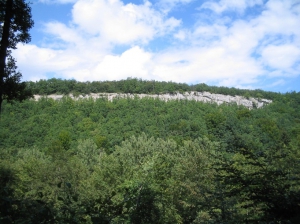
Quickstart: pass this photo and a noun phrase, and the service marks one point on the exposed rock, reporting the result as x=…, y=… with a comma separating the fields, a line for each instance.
x=196, y=96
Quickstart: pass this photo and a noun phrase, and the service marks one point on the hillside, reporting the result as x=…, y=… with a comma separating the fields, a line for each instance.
x=166, y=157
x=137, y=86
x=195, y=96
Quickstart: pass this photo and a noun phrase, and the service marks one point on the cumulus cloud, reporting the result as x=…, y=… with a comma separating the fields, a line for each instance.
x=280, y=17
x=61, y=32
x=231, y=5
x=84, y=45
x=39, y=60
x=134, y=62
x=214, y=64
x=119, y=23
x=168, y=5
x=236, y=54
x=281, y=57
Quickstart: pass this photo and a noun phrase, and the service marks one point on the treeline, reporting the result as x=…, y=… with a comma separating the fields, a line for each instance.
x=149, y=161
x=135, y=86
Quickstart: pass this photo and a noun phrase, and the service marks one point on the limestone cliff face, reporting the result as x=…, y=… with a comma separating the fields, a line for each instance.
x=197, y=96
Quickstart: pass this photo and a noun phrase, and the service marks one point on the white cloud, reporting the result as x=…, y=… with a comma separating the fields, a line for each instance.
x=231, y=55
x=181, y=35
x=280, y=17
x=279, y=82
x=82, y=48
x=121, y=24
x=168, y=5
x=281, y=57
x=63, y=33
x=134, y=62
x=232, y=5
x=242, y=38
x=175, y=1
x=214, y=64
x=42, y=60
x=202, y=34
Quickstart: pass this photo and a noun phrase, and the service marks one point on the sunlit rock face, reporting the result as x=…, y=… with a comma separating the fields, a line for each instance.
x=196, y=96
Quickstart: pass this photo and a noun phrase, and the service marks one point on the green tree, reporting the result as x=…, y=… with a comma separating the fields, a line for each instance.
x=15, y=15
x=259, y=183
x=65, y=139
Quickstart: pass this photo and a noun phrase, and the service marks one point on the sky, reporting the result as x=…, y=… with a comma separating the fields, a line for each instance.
x=249, y=44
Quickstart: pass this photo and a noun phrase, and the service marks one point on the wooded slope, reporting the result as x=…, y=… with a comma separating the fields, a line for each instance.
x=150, y=161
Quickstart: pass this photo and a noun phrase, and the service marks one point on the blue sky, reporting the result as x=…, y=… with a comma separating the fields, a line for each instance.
x=251, y=44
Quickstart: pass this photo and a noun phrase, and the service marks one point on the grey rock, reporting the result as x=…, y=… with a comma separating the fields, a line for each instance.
x=196, y=96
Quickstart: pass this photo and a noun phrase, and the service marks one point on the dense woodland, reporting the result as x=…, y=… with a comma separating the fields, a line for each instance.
x=146, y=160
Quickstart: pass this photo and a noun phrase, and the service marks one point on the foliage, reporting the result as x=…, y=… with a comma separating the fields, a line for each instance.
x=15, y=16
x=135, y=86
x=149, y=161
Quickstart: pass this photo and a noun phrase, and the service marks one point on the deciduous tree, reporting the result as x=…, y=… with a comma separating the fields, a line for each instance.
x=16, y=21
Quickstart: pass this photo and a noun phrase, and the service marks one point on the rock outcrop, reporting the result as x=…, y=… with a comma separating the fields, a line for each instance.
x=196, y=96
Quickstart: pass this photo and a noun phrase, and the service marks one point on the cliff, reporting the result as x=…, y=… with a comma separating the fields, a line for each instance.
x=197, y=96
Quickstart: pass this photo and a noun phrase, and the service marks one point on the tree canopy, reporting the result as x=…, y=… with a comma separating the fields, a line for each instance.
x=133, y=160
x=16, y=21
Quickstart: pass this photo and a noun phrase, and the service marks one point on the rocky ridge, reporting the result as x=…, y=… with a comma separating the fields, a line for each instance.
x=197, y=96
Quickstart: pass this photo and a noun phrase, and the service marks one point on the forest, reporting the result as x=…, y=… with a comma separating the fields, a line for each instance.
x=133, y=160
x=135, y=86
